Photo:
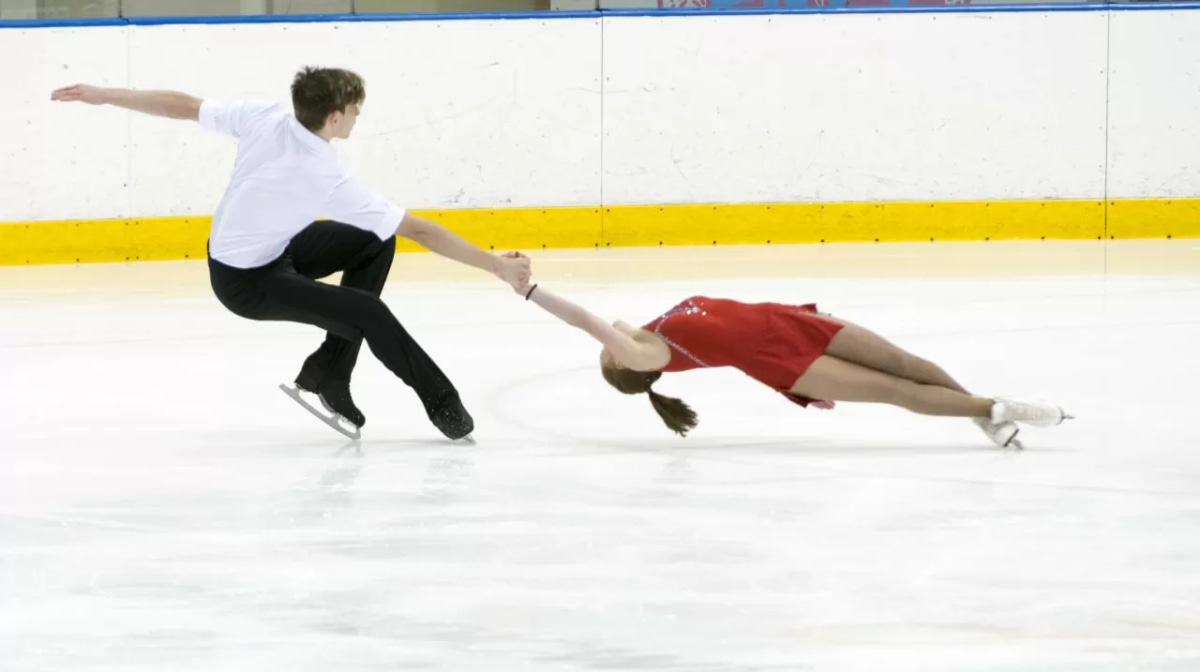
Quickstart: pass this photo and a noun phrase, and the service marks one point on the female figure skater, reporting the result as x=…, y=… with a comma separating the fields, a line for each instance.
x=809, y=357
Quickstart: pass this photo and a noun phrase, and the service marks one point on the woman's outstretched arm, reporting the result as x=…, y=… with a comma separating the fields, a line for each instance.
x=628, y=351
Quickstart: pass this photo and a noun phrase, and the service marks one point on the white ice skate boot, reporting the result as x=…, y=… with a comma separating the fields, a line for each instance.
x=1003, y=434
x=1037, y=414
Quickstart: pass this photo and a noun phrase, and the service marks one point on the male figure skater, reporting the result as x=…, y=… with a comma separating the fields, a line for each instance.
x=290, y=215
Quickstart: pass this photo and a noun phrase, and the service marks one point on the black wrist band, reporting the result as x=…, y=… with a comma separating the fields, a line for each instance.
x=530, y=292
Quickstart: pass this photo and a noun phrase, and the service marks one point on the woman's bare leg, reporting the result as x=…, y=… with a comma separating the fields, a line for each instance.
x=863, y=346
x=839, y=380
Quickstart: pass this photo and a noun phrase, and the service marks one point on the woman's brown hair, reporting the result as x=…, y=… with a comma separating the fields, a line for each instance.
x=677, y=415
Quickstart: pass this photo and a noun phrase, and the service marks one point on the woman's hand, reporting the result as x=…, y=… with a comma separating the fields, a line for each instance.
x=518, y=286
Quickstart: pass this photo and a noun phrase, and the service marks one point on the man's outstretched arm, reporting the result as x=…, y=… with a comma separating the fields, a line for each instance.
x=169, y=104
x=442, y=241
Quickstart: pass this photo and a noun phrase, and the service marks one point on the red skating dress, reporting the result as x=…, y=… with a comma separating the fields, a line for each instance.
x=773, y=343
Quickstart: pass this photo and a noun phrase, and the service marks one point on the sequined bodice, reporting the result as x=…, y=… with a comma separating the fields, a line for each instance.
x=707, y=332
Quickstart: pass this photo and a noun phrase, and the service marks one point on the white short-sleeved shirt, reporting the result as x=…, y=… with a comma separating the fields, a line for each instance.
x=284, y=178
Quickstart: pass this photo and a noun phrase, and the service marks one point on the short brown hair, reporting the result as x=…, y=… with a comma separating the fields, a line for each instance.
x=319, y=92
x=678, y=416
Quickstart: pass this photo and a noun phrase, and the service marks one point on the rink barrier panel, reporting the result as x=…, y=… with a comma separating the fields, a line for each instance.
x=182, y=237
x=177, y=238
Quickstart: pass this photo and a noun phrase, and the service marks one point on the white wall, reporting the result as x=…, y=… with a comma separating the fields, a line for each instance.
x=1154, y=104
x=544, y=112
x=515, y=122
x=57, y=162
x=854, y=107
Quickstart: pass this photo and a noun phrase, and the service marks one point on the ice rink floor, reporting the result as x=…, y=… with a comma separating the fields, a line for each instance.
x=163, y=506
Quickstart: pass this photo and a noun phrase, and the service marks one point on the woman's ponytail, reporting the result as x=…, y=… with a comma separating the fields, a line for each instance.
x=678, y=416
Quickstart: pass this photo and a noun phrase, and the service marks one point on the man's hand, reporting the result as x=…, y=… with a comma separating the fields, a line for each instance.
x=513, y=268
x=83, y=93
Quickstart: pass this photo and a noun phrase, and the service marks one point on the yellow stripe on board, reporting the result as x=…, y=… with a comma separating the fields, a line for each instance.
x=851, y=222
x=103, y=240
x=1154, y=218
x=518, y=228
x=161, y=238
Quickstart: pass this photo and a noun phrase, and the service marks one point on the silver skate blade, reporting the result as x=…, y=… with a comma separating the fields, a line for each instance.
x=1002, y=434
x=1013, y=442
x=294, y=393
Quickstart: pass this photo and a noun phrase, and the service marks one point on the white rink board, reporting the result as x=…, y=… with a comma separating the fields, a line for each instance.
x=57, y=162
x=458, y=114
x=858, y=107
x=546, y=112
x=1154, y=104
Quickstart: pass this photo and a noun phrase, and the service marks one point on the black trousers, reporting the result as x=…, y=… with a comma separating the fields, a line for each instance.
x=287, y=290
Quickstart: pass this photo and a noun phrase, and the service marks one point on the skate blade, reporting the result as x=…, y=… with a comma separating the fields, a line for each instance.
x=332, y=421
x=1002, y=439
x=1013, y=442
x=1063, y=416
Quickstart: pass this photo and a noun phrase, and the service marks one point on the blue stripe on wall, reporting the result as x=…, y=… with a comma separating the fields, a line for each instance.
x=713, y=8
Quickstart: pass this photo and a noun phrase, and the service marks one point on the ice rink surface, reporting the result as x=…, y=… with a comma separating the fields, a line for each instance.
x=163, y=506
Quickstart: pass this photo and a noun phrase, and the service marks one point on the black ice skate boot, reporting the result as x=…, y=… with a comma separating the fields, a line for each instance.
x=451, y=418
x=334, y=394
